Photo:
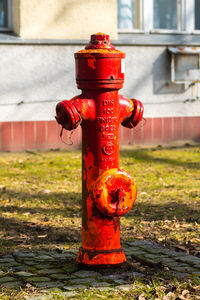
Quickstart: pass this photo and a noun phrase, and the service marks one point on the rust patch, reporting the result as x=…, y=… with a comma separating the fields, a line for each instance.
x=91, y=63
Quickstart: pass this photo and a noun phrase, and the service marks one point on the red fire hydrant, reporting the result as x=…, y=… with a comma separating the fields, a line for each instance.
x=107, y=191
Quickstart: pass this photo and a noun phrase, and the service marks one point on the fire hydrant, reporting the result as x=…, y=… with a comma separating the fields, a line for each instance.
x=107, y=191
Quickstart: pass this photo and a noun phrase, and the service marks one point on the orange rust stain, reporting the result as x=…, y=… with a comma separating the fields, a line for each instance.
x=84, y=108
x=100, y=33
x=91, y=63
x=130, y=107
x=112, y=258
x=84, y=175
x=122, y=185
x=90, y=169
x=89, y=51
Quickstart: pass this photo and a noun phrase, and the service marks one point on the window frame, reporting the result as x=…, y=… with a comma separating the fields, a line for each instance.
x=135, y=30
x=9, y=16
x=185, y=24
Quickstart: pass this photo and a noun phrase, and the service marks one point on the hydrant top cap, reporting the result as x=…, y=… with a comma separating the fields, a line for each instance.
x=100, y=41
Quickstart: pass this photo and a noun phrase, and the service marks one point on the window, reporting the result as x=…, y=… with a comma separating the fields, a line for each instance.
x=5, y=14
x=157, y=16
x=197, y=14
x=129, y=14
x=165, y=14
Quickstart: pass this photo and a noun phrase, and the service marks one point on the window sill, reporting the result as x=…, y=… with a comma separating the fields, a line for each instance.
x=130, y=31
x=161, y=39
x=5, y=29
x=10, y=38
x=168, y=31
x=124, y=38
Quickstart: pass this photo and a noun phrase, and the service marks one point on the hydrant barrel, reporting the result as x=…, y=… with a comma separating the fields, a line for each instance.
x=107, y=191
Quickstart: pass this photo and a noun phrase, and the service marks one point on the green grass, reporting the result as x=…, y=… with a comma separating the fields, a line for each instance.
x=40, y=205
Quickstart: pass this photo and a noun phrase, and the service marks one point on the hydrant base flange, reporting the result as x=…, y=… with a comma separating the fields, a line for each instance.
x=100, y=257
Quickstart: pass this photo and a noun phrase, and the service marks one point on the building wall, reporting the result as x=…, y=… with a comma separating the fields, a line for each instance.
x=37, y=71
x=35, y=77
x=64, y=19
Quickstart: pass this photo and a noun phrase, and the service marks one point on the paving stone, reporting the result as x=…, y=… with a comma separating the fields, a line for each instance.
x=4, y=259
x=181, y=274
x=140, y=243
x=167, y=261
x=111, y=277
x=9, y=264
x=61, y=256
x=49, y=271
x=125, y=287
x=132, y=274
x=19, y=268
x=7, y=256
x=162, y=251
x=120, y=281
x=153, y=256
x=40, y=266
x=128, y=257
x=60, y=276
x=137, y=252
x=43, y=258
x=82, y=280
x=38, y=279
x=30, y=262
x=7, y=279
x=52, y=284
x=182, y=265
x=74, y=287
x=85, y=274
x=73, y=251
x=187, y=269
x=189, y=259
x=2, y=273
x=156, y=251
x=197, y=266
x=12, y=285
x=24, y=274
x=70, y=268
x=99, y=284
x=21, y=254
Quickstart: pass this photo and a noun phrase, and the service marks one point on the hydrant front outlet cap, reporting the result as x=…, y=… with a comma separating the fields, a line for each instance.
x=114, y=192
x=107, y=191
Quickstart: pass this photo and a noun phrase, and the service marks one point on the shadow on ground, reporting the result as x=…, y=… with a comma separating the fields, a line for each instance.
x=142, y=155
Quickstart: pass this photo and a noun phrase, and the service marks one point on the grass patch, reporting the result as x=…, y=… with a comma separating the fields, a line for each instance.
x=40, y=207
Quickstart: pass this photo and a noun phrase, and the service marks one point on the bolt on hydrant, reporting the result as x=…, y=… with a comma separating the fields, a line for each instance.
x=107, y=191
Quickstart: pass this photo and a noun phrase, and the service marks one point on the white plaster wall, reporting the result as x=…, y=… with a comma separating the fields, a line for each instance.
x=42, y=75
x=64, y=19
x=147, y=77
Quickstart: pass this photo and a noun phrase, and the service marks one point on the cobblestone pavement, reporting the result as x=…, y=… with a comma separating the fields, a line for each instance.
x=56, y=270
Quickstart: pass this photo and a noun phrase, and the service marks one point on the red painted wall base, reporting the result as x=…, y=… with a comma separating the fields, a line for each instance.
x=30, y=135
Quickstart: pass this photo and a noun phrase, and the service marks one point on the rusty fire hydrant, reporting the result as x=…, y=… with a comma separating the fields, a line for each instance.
x=107, y=191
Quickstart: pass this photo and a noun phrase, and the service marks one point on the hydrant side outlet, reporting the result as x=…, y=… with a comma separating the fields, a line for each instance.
x=107, y=191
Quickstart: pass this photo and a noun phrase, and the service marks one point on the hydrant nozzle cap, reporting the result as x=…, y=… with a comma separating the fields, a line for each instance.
x=100, y=41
